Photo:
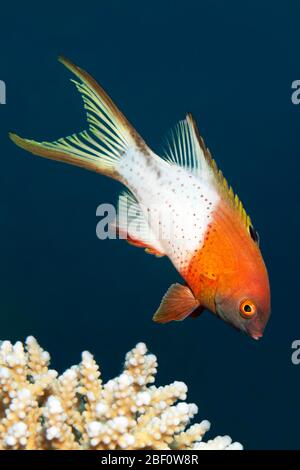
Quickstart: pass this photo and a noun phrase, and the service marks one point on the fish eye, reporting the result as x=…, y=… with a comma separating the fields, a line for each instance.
x=247, y=309
x=254, y=234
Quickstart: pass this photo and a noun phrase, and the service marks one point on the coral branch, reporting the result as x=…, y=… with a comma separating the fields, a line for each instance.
x=41, y=410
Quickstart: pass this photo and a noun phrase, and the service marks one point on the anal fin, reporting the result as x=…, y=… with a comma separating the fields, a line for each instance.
x=134, y=227
x=177, y=304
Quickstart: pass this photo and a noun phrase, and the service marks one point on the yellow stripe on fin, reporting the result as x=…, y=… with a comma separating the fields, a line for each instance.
x=225, y=189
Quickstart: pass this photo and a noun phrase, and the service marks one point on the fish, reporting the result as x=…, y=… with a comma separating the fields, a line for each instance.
x=183, y=208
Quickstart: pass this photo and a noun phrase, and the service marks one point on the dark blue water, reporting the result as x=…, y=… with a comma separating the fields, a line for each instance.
x=231, y=64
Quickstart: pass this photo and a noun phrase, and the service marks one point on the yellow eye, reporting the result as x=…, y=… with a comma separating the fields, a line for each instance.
x=247, y=309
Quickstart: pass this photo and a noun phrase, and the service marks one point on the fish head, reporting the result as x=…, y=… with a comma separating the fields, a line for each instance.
x=243, y=299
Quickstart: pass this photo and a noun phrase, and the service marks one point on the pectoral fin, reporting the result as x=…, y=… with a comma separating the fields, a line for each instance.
x=177, y=304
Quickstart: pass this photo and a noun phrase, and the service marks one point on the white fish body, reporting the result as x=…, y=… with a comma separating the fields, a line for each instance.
x=176, y=206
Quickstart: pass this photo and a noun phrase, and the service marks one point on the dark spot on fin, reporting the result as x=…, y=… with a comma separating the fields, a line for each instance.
x=197, y=312
x=254, y=234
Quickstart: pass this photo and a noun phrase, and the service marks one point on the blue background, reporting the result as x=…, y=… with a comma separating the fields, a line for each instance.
x=231, y=64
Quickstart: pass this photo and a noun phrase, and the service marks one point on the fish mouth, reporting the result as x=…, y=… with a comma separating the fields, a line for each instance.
x=255, y=330
x=256, y=336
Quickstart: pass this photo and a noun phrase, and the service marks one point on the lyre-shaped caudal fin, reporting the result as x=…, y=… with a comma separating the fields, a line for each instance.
x=109, y=137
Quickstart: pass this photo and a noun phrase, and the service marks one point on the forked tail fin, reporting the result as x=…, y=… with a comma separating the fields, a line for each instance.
x=109, y=137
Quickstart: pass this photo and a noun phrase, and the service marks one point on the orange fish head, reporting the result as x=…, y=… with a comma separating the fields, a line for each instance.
x=246, y=305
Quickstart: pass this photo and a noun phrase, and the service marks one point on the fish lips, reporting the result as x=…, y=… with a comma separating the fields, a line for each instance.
x=255, y=328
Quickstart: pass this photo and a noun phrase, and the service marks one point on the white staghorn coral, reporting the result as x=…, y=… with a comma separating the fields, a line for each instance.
x=41, y=410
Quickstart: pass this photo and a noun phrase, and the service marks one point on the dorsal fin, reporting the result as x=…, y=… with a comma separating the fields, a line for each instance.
x=186, y=147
